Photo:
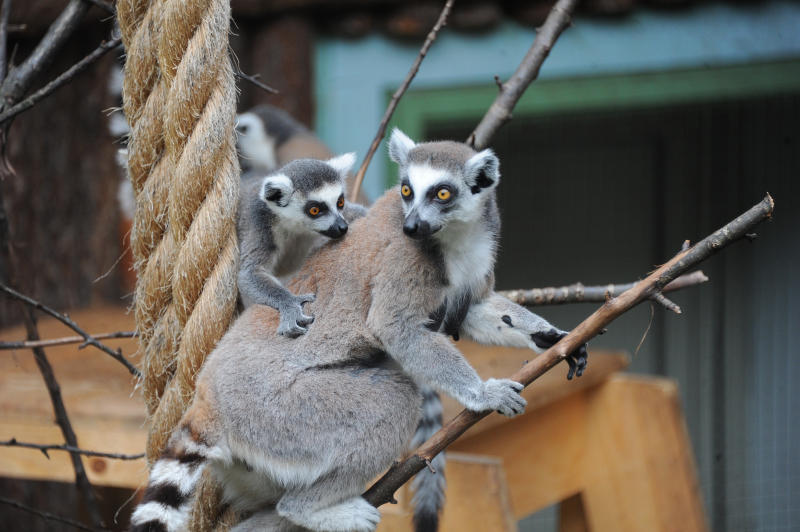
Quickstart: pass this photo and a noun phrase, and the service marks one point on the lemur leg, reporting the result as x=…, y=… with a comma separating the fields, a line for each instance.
x=259, y=286
x=330, y=505
x=498, y=321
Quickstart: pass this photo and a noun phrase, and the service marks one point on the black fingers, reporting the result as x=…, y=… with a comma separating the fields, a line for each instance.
x=577, y=361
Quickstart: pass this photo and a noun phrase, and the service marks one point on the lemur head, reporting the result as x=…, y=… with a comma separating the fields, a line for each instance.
x=309, y=194
x=441, y=182
x=259, y=133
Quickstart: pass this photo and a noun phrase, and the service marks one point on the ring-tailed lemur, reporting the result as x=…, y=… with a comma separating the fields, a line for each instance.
x=267, y=138
x=282, y=218
x=294, y=429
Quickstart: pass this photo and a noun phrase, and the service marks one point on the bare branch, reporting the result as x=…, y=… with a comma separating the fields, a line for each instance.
x=5, y=11
x=63, y=447
x=254, y=80
x=19, y=79
x=66, y=340
x=381, y=492
x=577, y=293
x=60, y=81
x=511, y=91
x=63, y=318
x=662, y=300
x=396, y=98
x=45, y=515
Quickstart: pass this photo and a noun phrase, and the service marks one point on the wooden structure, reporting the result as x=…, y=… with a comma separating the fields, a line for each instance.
x=612, y=448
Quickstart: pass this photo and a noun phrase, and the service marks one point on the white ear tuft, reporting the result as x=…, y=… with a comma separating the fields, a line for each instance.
x=277, y=189
x=482, y=170
x=343, y=163
x=399, y=146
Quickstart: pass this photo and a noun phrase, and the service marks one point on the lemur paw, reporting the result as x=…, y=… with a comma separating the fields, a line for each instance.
x=503, y=395
x=354, y=515
x=576, y=360
x=293, y=322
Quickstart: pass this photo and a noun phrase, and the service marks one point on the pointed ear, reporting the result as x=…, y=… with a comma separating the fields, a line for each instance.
x=277, y=189
x=343, y=163
x=482, y=170
x=399, y=146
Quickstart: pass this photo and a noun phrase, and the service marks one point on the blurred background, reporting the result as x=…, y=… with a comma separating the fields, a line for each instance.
x=652, y=122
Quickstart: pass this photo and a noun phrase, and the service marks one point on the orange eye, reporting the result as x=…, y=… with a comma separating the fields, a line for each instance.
x=405, y=190
x=340, y=203
x=313, y=211
x=443, y=194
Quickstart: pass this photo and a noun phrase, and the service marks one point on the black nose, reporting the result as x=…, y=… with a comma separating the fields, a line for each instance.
x=416, y=228
x=337, y=229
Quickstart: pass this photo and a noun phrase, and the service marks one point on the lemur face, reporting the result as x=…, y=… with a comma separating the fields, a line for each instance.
x=309, y=194
x=256, y=148
x=441, y=184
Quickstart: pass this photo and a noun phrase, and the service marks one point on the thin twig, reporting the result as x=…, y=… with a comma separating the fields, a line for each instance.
x=60, y=81
x=381, y=492
x=577, y=293
x=5, y=11
x=441, y=21
x=66, y=340
x=63, y=318
x=254, y=80
x=68, y=448
x=662, y=300
x=45, y=515
x=511, y=91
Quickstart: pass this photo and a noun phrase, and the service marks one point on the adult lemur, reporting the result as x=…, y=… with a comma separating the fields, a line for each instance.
x=282, y=218
x=295, y=428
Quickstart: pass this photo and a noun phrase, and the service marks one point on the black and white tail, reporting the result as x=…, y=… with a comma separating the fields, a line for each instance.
x=168, y=499
x=428, y=486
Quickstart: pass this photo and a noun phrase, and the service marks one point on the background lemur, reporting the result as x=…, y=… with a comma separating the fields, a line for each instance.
x=294, y=429
x=268, y=137
x=282, y=218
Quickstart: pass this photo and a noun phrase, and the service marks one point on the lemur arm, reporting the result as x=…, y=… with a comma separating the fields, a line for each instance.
x=497, y=321
x=430, y=358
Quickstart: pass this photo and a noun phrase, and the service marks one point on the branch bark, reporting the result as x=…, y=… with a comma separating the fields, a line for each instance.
x=60, y=81
x=511, y=91
x=383, y=490
x=66, y=340
x=63, y=318
x=578, y=293
x=68, y=448
x=441, y=21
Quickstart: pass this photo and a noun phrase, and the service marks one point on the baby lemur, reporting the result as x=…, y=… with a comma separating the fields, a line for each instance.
x=295, y=428
x=282, y=218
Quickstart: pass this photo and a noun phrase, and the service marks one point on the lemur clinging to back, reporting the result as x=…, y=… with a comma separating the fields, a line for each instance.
x=294, y=429
x=282, y=218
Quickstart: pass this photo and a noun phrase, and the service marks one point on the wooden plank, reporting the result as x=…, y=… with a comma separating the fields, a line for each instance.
x=477, y=498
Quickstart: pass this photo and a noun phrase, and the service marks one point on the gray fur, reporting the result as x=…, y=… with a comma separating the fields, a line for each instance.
x=276, y=235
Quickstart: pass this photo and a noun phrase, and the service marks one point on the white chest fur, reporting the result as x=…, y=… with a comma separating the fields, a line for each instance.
x=468, y=250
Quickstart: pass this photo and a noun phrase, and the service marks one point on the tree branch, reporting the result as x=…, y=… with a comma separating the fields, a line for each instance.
x=5, y=11
x=255, y=81
x=19, y=79
x=44, y=448
x=45, y=515
x=382, y=491
x=60, y=81
x=511, y=91
x=442, y=20
x=66, y=340
x=63, y=318
x=577, y=293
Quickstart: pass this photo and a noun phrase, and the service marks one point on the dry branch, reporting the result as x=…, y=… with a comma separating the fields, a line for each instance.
x=511, y=91
x=66, y=340
x=578, y=293
x=441, y=21
x=382, y=491
x=255, y=81
x=63, y=318
x=45, y=515
x=68, y=448
x=60, y=81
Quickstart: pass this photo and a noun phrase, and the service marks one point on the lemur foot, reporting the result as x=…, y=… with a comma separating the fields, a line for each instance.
x=503, y=395
x=576, y=360
x=293, y=322
x=352, y=515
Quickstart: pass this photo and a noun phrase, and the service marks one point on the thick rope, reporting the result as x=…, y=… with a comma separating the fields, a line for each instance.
x=180, y=99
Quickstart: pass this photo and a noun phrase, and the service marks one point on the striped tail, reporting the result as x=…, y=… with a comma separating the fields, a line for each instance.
x=168, y=499
x=428, y=487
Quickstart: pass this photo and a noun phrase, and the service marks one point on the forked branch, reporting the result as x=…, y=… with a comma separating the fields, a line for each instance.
x=382, y=491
